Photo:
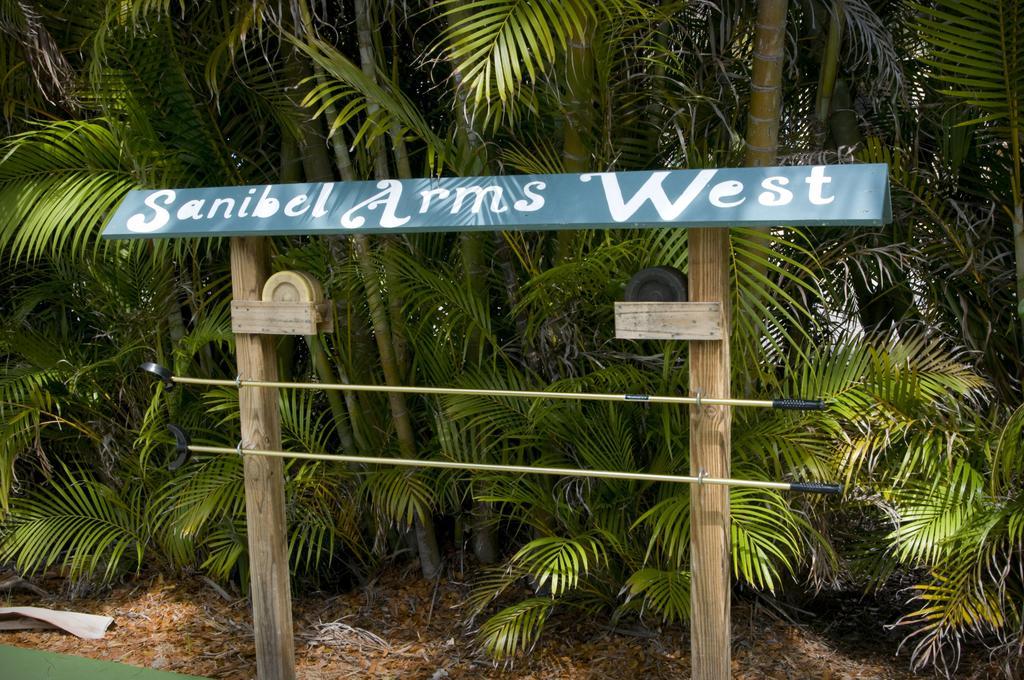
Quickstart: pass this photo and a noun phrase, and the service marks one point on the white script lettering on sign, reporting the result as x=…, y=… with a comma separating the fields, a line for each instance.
x=811, y=195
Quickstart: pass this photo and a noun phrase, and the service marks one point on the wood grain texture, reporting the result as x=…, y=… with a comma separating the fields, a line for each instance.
x=270, y=586
x=281, y=318
x=668, y=320
x=710, y=433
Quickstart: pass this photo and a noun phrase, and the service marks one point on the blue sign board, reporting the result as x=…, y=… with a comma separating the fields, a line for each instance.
x=817, y=195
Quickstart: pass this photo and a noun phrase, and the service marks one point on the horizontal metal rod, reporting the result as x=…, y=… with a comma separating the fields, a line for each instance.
x=783, y=404
x=529, y=469
x=529, y=394
x=789, y=404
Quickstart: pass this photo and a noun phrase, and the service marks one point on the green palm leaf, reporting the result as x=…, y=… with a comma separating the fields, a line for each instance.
x=767, y=536
x=400, y=495
x=356, y=91
x=210, y=491
x=514, y=629
x=560, y=562
x=227, y=548
x=499, y=44
x=667, y=593
x=77, y=522
x=670, y=528
x=58, y=184
x=1008, y=455
x=931, y=515
x=952, y=602
x=978, y=48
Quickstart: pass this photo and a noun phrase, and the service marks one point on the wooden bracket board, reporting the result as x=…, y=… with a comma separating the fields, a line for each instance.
x=281, y=318
x=668, y=320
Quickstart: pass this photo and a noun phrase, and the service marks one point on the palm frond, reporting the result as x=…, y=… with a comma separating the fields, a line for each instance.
x=953, y=601
x=498, y=45
x=79, y=523
x=932, y=514
x=211, y=491
x=559, y=562
x=58, y=184
x=669, y=522
x=383, y=106
x=399, y=495
x=227, y=549
x=872, y=44
x=491, y=584
x=767, y=536
x=666, y=593
x=976, y=49
x=515, y=629
x=1007, y=460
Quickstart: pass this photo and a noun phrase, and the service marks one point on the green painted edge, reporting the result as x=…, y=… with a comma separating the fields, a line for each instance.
x=20, y=663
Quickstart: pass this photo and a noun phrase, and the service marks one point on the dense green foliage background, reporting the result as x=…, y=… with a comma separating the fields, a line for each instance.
x=911, y=331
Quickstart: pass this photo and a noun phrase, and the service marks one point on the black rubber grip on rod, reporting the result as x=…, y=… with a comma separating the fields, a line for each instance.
x=159, y=371
x=798, y=404
x=813, y=487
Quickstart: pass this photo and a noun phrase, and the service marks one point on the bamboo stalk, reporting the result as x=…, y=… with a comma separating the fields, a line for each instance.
x=766, y=83
x=829, y=66
x=386, y=316
x=576, y=131
x=472, y=160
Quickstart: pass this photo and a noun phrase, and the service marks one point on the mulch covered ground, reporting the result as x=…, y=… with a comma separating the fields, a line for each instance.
x=403, y=627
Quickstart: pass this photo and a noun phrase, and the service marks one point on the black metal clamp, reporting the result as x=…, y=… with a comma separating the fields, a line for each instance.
x=181, y=445
x=161, y=372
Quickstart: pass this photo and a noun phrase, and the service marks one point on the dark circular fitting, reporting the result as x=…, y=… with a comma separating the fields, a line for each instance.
x=657, y=284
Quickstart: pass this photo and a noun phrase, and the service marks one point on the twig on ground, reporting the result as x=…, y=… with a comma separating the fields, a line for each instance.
x=217, y=589
x=339, y=634
x=433, y=599
x=14, y=581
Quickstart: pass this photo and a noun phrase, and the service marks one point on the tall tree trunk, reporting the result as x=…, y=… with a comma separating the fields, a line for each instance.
x=426, y=539
x=766, y=84
x=710, y=427
x=1018, y=251
x=316, y=166
x=762, y=139
x=291, y=171
x=880, y=302
x=324, y=370
x=1017, y=214
x=397, y=140
x=472, y=159
x=829, y=69
x=579, y=117
x=361, y=352
x=368, y=62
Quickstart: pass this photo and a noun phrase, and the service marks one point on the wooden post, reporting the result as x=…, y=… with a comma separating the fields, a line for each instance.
x=710, y=433
x=270, y=586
